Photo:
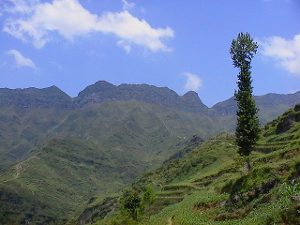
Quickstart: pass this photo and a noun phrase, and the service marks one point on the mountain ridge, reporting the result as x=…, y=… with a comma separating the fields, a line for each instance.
x=104, y=91
x=30, y=116
x=228, y=107
x=35, y=97
x=103, y=139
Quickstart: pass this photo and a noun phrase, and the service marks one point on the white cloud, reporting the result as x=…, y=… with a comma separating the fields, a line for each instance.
x=125, y=46
x=285, y=52
x=20, y=6
x=21, y=60
x=127, y=5
x=39, y=23
x=193, y=82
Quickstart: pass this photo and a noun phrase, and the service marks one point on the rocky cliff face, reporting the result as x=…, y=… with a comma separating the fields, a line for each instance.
x=33, y=97
x=104, y=91
x=288, y=119
x=271, y=105
x=99, y=92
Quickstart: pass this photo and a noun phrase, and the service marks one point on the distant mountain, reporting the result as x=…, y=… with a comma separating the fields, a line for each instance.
x=31, y=116
x=33, y=97
x=57, y=151
x=270, y=106
x=104, y=91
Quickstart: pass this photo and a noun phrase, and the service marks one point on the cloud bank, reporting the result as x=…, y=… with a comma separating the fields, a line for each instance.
x=193, y=82
x=285, y=52
x=38, y=23
x=21, y=60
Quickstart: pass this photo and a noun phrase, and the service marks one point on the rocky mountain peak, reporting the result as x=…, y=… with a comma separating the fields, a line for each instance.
x=192, y=97
x=104, y=91
x=100, y=86
x=35, y=97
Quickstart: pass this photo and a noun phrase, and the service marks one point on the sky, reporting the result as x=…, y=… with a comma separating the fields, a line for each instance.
x=182, y=45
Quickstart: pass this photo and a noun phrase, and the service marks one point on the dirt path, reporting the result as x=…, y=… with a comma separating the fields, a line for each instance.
x=60, y=123
x=170, y=221
x=20, y=168
x=172, y=133
x=18, y=171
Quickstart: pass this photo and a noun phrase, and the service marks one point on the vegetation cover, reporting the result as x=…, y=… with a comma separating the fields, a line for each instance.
x=247, y=131
x=212, y=185
x=61, y=157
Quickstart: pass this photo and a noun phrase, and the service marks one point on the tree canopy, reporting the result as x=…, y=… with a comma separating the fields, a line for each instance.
x=247, y=131
x=133, y=204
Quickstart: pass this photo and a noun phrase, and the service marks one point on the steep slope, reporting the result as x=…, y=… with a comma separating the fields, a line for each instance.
x=133, y=123
x=104, y=91
x=211, y=184
x=49, y=187
x=57, y=152
x=51, y=97
x=31, y=116
x=26, y=116
x=96, y=150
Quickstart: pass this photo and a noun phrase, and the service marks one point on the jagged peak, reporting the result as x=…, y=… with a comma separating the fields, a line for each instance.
x=95, y=88
x=191, y=96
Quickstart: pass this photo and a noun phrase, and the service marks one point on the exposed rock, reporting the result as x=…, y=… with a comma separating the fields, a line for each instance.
x=287, y=120
x=204, y=207
x=192, y=102
x=222, y=204
x=97, y=211
x=83, y=218
x=103, y=91
x=295, y=198
x=33, y=97
x=286, y=124
x=249, y=196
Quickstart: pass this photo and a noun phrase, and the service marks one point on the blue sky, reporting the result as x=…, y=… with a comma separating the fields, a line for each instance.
x=183, y=45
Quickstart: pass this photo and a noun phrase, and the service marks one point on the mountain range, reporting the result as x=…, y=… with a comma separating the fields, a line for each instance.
x=31, y=116
x=56, y=152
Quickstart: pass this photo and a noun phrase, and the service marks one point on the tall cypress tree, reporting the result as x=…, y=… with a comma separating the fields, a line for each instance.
x=247, y=131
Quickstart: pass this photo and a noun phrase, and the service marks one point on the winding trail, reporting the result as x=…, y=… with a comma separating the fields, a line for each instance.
x=60, y=123
x=171, y=132
x=170, y=221
x=20, y=168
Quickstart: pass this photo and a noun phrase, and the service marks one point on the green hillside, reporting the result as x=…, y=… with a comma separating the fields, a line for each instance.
x=99, y=155
x=211, y=184
x=29, y=117
x=23, y=129
x=58, y=153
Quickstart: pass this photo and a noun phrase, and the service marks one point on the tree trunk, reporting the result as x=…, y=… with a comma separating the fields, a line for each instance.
x=249, y=165
x=149, y=212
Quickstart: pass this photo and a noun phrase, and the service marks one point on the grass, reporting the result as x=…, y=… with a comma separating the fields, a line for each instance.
x=98, y=150
x=211, y=184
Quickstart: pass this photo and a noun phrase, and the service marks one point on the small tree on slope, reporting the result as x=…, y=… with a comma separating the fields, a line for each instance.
x=149, y=198
x=247, y=131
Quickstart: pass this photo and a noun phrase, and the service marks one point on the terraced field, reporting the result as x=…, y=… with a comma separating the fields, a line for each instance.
x=212, y=185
